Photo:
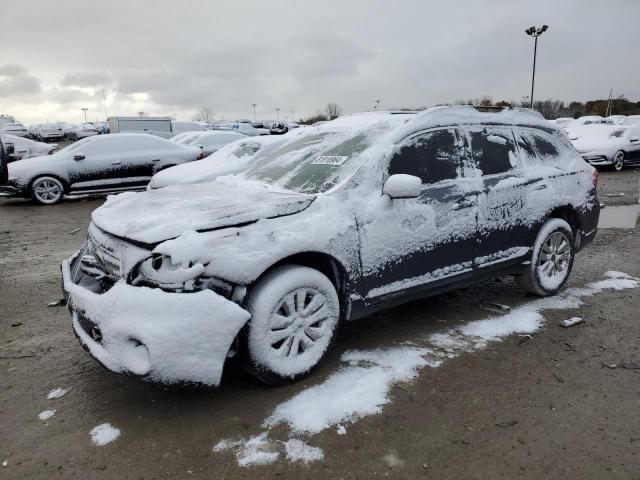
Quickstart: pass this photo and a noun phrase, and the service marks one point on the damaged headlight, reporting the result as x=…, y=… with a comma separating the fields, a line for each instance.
x=159, y=271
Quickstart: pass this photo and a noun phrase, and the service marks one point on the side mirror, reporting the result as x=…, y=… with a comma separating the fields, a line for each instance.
x=634, y=139
x=78, y=156
x=402, y=186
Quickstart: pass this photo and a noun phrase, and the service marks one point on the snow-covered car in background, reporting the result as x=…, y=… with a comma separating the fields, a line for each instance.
x=563, y=121
x=278, y=128
x=48, y=131
x=608, y=145
x=83, y=130
x=25, y=148
x=631, y=120
x=210, y=141
x=615, y=119
x=97, y=164
x=248, y=129
x=13, y=128
x=360, y=214
x=232, y=158
x=181, y=127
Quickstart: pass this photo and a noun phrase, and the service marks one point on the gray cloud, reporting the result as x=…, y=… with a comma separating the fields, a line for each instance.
x=16, y=81
x=85, y=79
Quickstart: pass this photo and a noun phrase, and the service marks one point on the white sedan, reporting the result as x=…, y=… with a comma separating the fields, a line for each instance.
x=20, y=147
x=608, y=145
x=83, y=130
x=210, y=141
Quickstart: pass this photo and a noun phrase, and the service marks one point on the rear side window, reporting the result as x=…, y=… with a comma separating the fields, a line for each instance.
x=432, y=156
x=547, y=148
x=493, y=149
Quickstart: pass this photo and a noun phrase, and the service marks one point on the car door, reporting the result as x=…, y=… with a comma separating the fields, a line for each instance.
x=92, y=165
x=409, y=243
x=503, y=230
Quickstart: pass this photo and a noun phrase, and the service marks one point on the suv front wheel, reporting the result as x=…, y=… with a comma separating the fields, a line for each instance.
x=551, y=260
x=295, y=312
x=46, y=190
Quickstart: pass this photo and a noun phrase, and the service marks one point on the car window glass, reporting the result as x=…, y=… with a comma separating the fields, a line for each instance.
x=432, y=156
x=549, y=149
x=527, y=153
x=493, y=149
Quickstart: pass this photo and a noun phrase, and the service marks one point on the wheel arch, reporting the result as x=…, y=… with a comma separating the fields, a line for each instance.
x=326, y=264
x=569, y=215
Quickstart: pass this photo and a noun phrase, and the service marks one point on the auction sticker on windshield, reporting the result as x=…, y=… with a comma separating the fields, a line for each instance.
x=329, y=160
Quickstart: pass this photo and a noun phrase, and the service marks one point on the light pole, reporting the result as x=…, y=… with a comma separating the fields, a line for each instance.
x=254, y=111
x=277, y=114
x=535, y=33
x=84, y=110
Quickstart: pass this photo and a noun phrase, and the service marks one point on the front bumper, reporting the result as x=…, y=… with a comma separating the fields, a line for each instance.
x=161, y=336
x=597, y=159
x=8, y=191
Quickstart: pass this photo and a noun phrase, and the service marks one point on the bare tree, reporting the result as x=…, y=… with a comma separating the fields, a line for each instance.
x=333, y=110
x=205, y=114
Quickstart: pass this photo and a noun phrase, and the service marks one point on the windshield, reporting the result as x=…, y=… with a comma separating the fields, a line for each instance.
x=313, y=163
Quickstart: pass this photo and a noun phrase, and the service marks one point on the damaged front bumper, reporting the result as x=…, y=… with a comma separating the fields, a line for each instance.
x=161, y=336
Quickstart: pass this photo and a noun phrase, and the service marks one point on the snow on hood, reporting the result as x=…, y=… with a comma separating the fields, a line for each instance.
x=154, y=216
x=590, y=137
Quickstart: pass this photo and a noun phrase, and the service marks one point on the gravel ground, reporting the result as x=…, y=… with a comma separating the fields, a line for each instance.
x=576, y=417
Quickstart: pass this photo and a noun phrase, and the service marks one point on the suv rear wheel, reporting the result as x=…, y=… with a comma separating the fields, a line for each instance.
x=295, y=312
x=551, y=261
x=618, y=161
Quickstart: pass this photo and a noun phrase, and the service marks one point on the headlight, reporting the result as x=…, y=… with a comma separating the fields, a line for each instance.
x=159, y=271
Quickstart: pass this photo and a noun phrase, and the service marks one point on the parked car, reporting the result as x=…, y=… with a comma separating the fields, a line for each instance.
x=608, y=145
x=248, y=129
x=97, y=164
x=278, y=128
x=232, y=158
x=4, y=171
x=26, y=148
x=180, y=127
x=160, y=126
x=211, y=141
x=615, y=119
x=102, y=127
x=359, y=214
x=13, y=128
x=83, y=130
x=48, y=131
x=632, y=120
x=563, y=121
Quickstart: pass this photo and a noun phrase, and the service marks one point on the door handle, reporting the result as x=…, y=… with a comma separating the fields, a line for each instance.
x=463, y=204
x=155, y=159
x=117, y=162
x=541, y=187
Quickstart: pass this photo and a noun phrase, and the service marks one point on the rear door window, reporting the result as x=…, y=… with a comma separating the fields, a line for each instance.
x=493, y=149
x=548, y=148
x=432, y=156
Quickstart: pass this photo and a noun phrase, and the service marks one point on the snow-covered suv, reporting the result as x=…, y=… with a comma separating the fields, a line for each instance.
x=347, y=218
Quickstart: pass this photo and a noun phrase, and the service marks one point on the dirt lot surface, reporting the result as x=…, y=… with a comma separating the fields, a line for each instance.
x=560, y=405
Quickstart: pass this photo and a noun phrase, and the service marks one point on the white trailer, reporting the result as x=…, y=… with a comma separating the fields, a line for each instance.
x=160, y=126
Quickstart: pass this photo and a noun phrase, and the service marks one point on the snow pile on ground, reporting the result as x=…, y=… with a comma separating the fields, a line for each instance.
x=103, y=434
x=46, y=415
x=57, y=393
x=363, y=386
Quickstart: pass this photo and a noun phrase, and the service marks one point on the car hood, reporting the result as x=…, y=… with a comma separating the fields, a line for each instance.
x=158, y=215
x=27, y=166
x=586, y=143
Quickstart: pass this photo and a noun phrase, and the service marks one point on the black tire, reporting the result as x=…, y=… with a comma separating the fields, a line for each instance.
x=289, y=306
x=618, y=161
x=47, y=190
x=551, y=262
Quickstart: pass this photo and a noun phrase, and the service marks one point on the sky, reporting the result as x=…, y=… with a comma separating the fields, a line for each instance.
x=173, y=58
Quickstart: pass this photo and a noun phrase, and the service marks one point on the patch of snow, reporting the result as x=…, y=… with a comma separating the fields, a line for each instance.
x=103, y=434
x=46, y=415
x=356, y=391
x=497, y=139
x=340, y=430
x=392, y=460
x=298, y=451
x=258, y=450
x=57, y=393
x=570, y=322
